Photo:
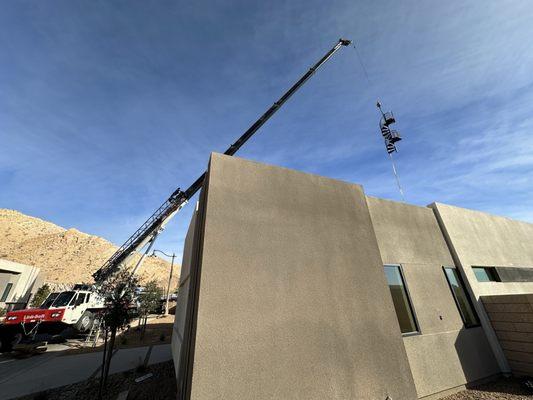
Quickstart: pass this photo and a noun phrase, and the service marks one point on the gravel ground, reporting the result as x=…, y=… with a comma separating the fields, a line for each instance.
x=161, y=386
x=502, y=389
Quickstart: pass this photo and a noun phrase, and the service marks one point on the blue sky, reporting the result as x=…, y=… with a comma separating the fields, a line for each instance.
x=107, y=106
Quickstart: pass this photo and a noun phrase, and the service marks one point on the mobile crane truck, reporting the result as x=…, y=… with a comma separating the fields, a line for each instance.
x=77, y=308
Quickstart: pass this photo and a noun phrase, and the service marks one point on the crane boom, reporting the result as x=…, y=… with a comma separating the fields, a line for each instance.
x=148, y=231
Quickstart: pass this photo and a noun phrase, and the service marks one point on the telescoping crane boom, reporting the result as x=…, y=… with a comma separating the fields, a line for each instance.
x=151, y=228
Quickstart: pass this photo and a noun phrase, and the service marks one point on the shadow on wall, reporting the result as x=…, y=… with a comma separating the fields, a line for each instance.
x=475, y=354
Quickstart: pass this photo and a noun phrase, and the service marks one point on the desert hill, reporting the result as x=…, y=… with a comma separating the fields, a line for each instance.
x=64, y=256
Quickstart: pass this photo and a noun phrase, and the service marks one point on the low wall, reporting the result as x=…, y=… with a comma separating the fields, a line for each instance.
x=511, y=317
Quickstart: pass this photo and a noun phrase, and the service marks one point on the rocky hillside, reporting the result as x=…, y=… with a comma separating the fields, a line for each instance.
x=65, y=256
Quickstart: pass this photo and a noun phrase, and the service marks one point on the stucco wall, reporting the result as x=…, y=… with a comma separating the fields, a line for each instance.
x=445, y=354
x=292, y=301
x=481, y=239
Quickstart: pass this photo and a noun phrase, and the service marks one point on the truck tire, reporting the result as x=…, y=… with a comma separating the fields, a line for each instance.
x=85, y=323
x=8, y=339
x=4, y=339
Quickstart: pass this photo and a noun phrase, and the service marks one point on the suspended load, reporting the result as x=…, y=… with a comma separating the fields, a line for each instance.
x=390, y=136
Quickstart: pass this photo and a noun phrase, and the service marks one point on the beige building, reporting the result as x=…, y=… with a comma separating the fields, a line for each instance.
x=295, y=286
x=447, y=347
x=18, y=282
x=495, y=255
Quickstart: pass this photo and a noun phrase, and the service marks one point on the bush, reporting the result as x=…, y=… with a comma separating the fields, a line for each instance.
x=40, y=296
x=2, y=312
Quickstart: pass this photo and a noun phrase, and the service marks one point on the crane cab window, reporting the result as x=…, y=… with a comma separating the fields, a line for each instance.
x=63, y=299
x=80, y=299
x=49, y=300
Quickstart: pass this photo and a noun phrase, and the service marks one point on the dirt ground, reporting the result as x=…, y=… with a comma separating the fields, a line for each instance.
x=502, y=389
x=161, y=386
x=158, y=331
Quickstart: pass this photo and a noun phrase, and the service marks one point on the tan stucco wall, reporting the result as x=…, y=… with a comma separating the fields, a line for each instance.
x=445, y=355
x=408, y=233
x=481, y=239
x=448, y=360
x=293, y=302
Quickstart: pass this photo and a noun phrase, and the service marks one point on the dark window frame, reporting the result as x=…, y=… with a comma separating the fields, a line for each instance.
x=7, y=290
x=81, y=296
x=418, y=330
x=468, y=298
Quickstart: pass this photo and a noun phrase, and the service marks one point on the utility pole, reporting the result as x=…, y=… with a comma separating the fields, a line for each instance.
x=173, y=256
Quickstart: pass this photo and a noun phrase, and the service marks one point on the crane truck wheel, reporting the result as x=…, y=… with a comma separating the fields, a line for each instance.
x=85, y=323
x=9, y=339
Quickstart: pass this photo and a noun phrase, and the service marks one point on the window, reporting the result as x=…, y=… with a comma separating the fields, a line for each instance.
x=88, y=297
x=6, y=292
x=486, y=274
x=80, y=299
x=468, y=314
x=49, y=300
x=514, y=274
x=63, y=299
x=400, y=298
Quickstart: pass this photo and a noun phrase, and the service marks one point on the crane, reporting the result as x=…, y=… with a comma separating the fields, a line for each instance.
x=152, y=227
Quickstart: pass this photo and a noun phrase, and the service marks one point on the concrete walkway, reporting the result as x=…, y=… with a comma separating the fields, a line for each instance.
x=50, y=370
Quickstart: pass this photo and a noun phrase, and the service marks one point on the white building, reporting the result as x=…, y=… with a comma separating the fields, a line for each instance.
x=18, y=283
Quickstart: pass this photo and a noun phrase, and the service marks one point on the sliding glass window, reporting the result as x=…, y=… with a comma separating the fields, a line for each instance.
x=400, y=298
x=466, y=309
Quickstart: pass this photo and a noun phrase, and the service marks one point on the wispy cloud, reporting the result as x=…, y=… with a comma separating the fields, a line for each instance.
x=105, y=110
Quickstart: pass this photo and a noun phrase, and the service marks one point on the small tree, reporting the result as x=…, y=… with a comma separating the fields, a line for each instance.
x=40, y=296
x=119, y=302
x=149, y=302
